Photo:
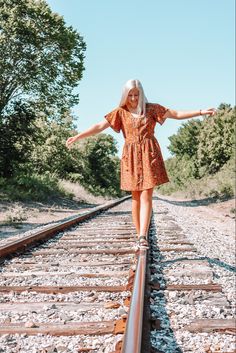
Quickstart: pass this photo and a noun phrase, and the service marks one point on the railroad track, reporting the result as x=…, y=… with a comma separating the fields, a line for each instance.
x=72, y=293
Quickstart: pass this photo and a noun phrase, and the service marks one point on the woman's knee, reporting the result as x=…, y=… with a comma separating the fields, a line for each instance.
x=136, y=196
x=146, y=195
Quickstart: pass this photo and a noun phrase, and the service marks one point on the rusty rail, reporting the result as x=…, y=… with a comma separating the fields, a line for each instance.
x=133, y=332
x=49, y=231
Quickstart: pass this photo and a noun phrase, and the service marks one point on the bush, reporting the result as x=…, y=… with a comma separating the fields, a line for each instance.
x=203, y=161
x=99, y=172
x=216, y=141
x=31, y=187
x=220, y=185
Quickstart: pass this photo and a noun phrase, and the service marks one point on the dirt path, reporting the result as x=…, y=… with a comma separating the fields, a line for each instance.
x=20, y=217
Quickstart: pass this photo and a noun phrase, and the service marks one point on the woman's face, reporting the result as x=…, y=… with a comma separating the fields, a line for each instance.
x=132, y=98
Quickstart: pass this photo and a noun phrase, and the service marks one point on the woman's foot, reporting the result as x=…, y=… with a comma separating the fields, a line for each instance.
x=143, y=243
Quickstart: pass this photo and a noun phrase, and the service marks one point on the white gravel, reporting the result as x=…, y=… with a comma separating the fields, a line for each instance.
x=212, y=238
x=214, y=260
x=47, y=344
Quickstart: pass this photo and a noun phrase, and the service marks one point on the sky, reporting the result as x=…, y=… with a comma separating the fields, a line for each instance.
x=182, y=51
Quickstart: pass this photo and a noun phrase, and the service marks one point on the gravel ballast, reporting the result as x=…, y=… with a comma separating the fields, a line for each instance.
x=214, y=258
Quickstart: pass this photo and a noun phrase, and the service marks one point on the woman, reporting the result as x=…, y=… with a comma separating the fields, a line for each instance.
x=142, y=165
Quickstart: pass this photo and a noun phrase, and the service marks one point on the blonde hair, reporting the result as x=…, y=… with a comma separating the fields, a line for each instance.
x=141, y=108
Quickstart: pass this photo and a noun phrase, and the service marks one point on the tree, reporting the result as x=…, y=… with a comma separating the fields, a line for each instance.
x=185, y=142
x=217, y=140
x=50, y=153
x=41, y=59
x=202, y=147
x=99, y=172
x=17, y=133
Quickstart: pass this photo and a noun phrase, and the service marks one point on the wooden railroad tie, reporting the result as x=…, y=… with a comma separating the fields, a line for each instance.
x=61, y=289
x=212, y=325
x=60, y=329
x=66, y=329
x=89, y=251
x=187, y=287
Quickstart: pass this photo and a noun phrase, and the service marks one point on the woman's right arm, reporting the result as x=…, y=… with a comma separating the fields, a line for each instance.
x=93, y=130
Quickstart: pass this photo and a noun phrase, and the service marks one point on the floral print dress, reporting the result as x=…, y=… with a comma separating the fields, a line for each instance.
x=142, y=164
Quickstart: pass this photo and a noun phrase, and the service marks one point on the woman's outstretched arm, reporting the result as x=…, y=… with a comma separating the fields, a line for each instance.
x=93, y=130
x=174, y=114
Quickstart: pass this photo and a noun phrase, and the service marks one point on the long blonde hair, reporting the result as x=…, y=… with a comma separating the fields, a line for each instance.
x=141, y=108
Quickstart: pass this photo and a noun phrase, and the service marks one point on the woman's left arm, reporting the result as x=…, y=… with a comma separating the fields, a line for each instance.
x=175, y=114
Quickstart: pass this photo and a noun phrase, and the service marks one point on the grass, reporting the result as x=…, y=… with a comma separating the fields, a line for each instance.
x=220, y=185
x=14, y=216
x=32, y=187
x=81, y=194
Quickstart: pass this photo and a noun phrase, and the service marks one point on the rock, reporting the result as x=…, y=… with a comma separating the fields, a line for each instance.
x=7, y=320
x=121, y=312
x=30, y=324
x=172, y=295
x=61, y=349
x=111, y=305
x=53, y=306
x=51, y=349
x=91, y=294
x=50, y=313
x=95, y=343
x=65, y=317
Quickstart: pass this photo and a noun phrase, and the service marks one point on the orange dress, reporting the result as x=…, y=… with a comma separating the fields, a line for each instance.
x=142, y=164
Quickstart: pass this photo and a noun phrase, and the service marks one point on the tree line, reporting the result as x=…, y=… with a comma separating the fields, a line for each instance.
x=201, y=148
x=41, y=62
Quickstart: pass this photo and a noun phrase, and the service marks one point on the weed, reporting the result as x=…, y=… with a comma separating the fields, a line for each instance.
x=15, y=215
x=33, y=187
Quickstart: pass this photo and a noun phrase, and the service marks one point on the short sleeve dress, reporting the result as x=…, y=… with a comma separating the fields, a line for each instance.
x=142, y=164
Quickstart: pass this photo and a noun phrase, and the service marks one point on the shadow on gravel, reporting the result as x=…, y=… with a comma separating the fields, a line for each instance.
x=120, y=213
x=211, y=261
x=9, y=230
x=194, y=203
x=163, y=339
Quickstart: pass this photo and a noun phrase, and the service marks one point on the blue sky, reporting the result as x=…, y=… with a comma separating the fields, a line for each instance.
x=181, y=50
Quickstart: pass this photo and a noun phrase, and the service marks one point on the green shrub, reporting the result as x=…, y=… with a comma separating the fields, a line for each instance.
x=31, y=187
x=220, y=185
x=204, y=162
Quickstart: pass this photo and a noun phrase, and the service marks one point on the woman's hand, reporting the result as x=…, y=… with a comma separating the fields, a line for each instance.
x=93, y=130
x=71, y=140
x=176, y=114
x=210, y=111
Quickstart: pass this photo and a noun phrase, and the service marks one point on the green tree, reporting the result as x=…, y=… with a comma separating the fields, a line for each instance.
x=185, y=142
x=184, y=145
x=216, y=140
x=202, y=148
x=49, y=153
x=99, y=172
x=41, y=59
x=17, y=133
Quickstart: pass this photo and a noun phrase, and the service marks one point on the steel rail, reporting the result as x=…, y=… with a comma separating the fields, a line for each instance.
x=133, y=333
x=47, y=232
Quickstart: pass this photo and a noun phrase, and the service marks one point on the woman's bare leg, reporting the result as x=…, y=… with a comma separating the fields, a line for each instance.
x=136, y=209
x=145, y=210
